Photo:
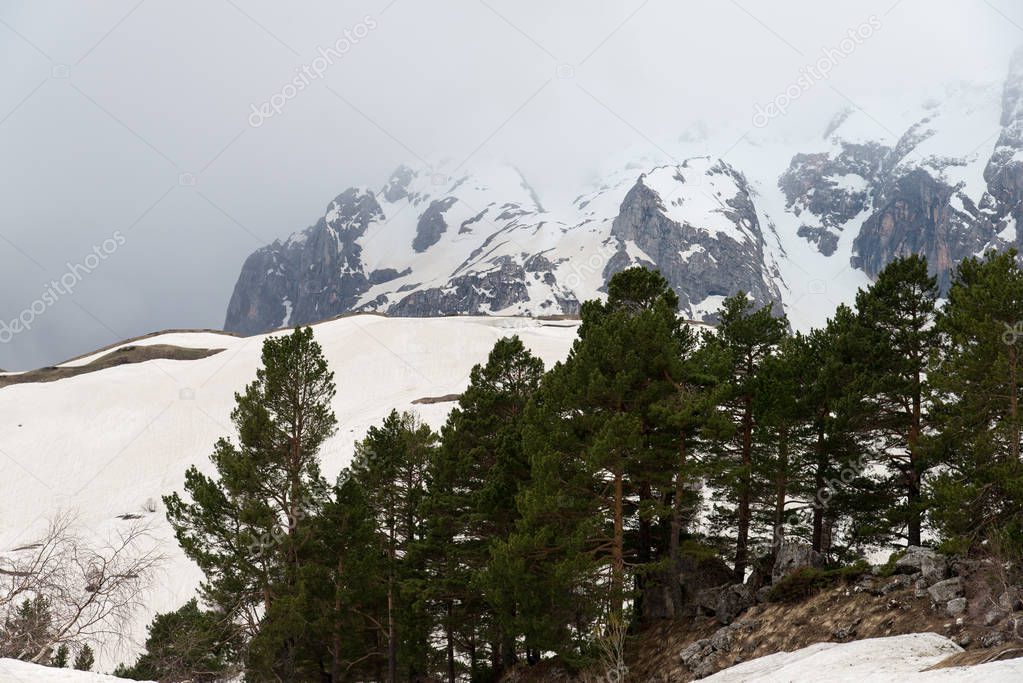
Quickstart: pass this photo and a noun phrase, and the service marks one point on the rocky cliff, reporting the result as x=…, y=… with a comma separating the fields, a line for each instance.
x=799, y=225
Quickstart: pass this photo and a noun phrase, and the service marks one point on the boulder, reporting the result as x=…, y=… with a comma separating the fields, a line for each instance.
x=956, y=607
x=699, y=576
x=933, y=566
x=1011, y=600
x=946, y=590
x=722, y=639
x=693, y=653
x=897, y=582
x=993, y=616
x=733, y=601
x=792, y=556
x=992, y=639
x=705, y=602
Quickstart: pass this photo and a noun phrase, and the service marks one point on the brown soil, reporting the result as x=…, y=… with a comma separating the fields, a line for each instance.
x=122, y=356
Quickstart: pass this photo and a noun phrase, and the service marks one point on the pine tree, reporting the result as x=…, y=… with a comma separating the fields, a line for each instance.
x=896, y=318
x=745, y=338
x=187, y=644
x=603, y=456
x=246, y=526
x=61, y=657
x=85, y=659
x=474, y=479
x=391, y=467
x=977, y=379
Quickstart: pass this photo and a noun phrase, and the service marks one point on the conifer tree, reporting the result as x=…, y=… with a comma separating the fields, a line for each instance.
x=85, y=659
x=390, y=466
x=896, y=318
x=246, y=526
x=977, y=379
x=604, y=458
x=474, y=478
x=745, y=338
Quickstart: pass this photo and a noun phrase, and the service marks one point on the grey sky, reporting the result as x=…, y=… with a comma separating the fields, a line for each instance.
x=133, y=118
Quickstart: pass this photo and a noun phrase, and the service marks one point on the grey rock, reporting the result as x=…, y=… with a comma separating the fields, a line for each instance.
x=897, y=582
x=693, y=652
x=697, y=263
x=1011, y=599
x=696, y=574
x=946, y=590
x=733, y=601
x=993, y=616
x=931, y=565
x=956, y=607
x=792, y=556
x=992, y=639
x=722, y=639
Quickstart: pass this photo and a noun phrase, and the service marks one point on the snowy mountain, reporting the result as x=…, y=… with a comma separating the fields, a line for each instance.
x=800, y=222
x=108, y=444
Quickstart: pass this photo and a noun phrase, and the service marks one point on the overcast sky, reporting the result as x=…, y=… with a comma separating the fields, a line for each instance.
x=128, y=132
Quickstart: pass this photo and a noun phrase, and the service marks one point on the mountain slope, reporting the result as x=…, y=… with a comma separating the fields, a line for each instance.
x=798, y=223
x=112, y=442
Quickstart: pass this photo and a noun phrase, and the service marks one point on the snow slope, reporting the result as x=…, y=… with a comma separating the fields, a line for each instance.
x=112, y=442
x=13, y=671
x=895, y=659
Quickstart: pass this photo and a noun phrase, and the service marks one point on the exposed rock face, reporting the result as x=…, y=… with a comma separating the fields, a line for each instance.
x=792, y=556
x=779, y=223
x=916, y=216
x=828, y=191
x=312, y=275
x=933, y=566
x=697, y=257
x=485, y=245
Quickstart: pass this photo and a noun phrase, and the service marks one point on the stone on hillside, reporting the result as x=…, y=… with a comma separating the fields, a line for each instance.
x=1011, y=600
x=956, y=607
x=946, y=590
x=792, y=556
x=933, y=566
x=733, y=601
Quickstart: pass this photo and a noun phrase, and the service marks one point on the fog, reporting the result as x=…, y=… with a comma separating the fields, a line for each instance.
x=148, y=147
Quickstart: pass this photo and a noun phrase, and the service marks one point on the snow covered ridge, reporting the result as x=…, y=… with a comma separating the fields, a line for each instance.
x=896, y=659
x=801, y=223
x=14, y=671
x=109, y=444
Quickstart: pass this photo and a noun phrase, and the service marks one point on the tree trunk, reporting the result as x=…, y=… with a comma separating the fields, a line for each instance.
x=817, y=539
x=618, y=547
x=742, y=541
x=392, y=636
x=914, y=475
x=450, y=641
x=1013, y=403
x=674, y=546
x=781, y=484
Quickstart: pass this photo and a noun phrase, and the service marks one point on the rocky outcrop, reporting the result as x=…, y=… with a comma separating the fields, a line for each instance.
x=700, y=263
x=916, y=216
x=791, y=556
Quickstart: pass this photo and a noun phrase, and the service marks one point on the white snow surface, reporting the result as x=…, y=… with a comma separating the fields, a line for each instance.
x=895, y=659
x=14, y=671
x=114, y=441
